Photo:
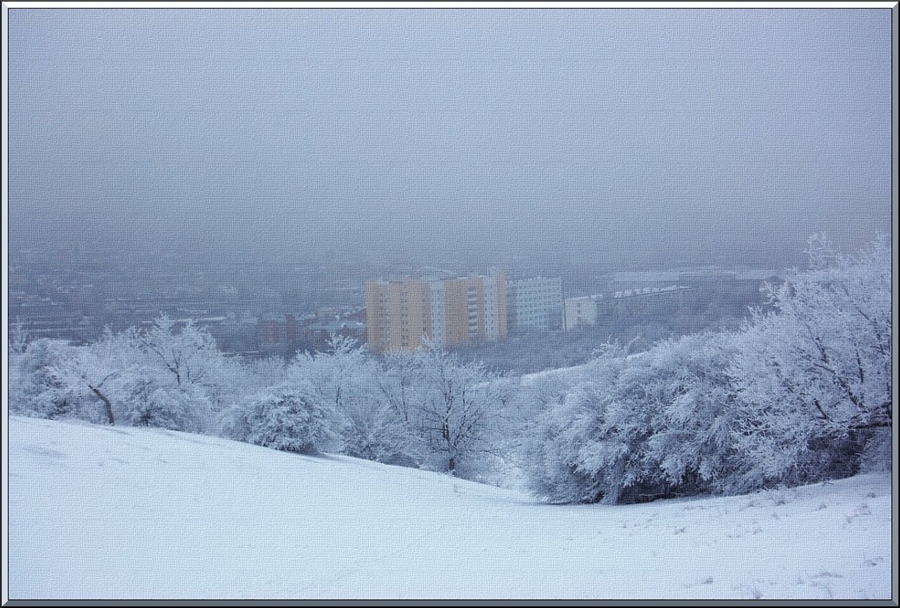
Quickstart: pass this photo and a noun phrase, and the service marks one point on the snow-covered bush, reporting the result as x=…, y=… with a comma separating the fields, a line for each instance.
x=285, y=417
x=169, y=407
x=691, y=427
x=801, y=394
x=345, y=380
x=36, y=386
x=554, y=439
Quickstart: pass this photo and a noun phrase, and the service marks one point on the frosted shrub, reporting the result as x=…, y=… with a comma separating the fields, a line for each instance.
x=168, y=407
x=285, y=417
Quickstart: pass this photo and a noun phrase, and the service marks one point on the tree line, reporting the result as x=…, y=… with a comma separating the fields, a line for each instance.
x=802, y=392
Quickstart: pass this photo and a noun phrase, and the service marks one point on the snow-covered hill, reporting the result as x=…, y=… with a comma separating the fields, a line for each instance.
x=103, y=512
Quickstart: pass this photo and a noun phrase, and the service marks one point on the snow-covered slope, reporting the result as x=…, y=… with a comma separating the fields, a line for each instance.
x=102, y=512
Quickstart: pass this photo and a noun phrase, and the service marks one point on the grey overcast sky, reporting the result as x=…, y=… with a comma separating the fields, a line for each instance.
x=633, y=137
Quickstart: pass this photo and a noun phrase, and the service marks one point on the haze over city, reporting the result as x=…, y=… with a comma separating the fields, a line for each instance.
x=623, y=139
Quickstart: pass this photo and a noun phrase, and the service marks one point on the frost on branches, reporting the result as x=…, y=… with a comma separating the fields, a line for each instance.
x=801, y=394
x=815, y=378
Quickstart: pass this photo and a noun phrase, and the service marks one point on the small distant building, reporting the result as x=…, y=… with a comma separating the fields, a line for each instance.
x=581, y=311
x=276, y=332
x=287, y=333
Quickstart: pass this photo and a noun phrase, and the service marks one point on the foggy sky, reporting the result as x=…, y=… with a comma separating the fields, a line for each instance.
x=627, y=137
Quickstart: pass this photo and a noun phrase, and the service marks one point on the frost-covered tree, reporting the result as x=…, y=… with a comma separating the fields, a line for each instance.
x=238, y=380
x=529, y=397
x=91, y=376
x=455, y=407
x=191, y=372
x=260, y=373
x=18, y=337
x=36, y=386
x=118, y=372
x=346, y=380
x=815, y=378
x=399, y=381
x=399, y=378
x=338, y=376
x=610, y=440
x=189, y=353
x=123, y=378
x=614, y=430
x=802, y=393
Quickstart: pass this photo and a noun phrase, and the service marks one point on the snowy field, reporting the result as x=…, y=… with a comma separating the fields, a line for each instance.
x=101, y=512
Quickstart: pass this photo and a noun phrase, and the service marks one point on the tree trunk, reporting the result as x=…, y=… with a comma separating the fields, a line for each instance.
x=107, y=403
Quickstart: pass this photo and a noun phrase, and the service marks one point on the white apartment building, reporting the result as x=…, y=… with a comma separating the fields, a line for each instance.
x=535, y=303
x=586, y=310
x=490, y=306
x=581, y=312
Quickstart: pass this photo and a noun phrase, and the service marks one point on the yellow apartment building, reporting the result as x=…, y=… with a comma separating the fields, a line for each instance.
x=402, y=314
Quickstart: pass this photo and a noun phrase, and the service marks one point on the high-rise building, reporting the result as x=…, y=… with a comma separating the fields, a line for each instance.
x=535, y=303
x=403, y=314
x=398, y=314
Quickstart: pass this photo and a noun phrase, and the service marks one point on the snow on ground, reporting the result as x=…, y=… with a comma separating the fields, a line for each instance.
x=110, y=513
x=572, y=374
